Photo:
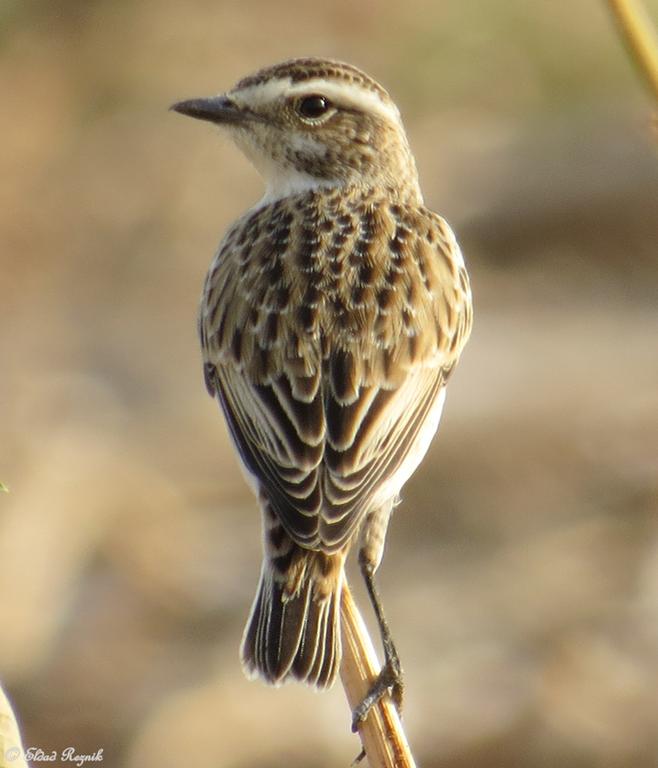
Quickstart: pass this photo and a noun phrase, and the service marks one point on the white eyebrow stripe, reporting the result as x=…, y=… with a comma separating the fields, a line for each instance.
x=347, y=94
x=261, y=93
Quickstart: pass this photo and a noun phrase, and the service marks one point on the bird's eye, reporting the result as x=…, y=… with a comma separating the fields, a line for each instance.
x=312, y=107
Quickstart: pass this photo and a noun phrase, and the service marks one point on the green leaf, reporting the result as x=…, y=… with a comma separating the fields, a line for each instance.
x=3, y=488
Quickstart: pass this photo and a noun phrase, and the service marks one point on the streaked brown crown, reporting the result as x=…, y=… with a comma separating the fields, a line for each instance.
x=299, y=70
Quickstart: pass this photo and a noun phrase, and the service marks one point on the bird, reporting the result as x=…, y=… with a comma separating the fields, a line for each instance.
x=330, y=321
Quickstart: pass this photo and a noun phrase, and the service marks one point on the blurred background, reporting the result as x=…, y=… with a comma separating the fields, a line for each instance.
x=521, y=575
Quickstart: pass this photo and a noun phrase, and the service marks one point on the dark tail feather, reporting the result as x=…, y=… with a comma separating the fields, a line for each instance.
x=293, y=636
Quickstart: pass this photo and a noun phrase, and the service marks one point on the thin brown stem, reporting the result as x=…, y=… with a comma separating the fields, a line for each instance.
x=638, y=32
x=381, y=733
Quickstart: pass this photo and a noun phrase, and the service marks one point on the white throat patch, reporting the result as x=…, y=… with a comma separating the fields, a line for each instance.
x=281, y=180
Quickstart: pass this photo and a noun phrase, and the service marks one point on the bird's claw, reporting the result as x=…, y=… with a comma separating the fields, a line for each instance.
x=389, y=681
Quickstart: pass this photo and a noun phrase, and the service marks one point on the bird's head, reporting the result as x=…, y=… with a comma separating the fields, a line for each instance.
x=310, y=123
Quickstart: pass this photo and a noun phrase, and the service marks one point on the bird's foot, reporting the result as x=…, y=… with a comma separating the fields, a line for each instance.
x=388, y=681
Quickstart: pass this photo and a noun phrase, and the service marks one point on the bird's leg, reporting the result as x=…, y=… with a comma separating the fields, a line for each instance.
x=390, y=676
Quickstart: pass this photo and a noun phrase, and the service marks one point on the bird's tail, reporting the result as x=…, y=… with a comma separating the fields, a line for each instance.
x=294, y=627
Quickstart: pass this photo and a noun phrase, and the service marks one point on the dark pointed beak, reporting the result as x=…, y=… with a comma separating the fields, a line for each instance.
x=216, y=109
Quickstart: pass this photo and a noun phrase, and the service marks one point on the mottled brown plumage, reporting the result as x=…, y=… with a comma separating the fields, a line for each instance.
x=330, y=320
x=316, y=312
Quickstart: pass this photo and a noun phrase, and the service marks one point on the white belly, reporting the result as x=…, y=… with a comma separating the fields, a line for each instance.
x=389, y=490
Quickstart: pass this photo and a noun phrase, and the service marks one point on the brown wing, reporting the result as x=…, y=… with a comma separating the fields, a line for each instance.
x=328, y=332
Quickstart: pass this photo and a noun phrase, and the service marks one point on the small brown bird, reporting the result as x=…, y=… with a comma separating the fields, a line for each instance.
x=330, y=321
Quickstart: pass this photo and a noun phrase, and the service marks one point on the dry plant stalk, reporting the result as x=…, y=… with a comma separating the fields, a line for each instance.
x=382, y=735
x=637, y=30
x=12, y=754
